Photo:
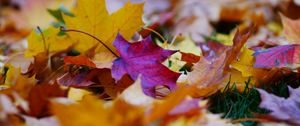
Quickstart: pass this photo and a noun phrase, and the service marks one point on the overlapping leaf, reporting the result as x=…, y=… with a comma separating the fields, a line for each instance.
x=144, y=57
x=52, y=42
x=91, y=16
x=282, y=109
x=279, y=57
x=291, y=29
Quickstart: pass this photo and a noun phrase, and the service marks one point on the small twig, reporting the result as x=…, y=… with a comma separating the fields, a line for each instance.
x=88, y=34
x=249, y=119
x=156, y=33
x=43, y=37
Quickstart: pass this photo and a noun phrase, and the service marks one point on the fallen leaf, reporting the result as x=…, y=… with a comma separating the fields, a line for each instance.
x=152, y=71
x=12, y=28
x=39, y=96
x=90, y=109
x=191, y=20
x=189, y=57
x=78, y=80
x=240, y=38
x=77, y=94
x=92, y=112
x=79, y=60
x=187, y=45
x=99, y=78
x=188, y=107
x=245, y=63
x=16, y=82
x=52, y=43
x=291, y=29
x=135, y=95
x=279, y=57
x=40, y=67
x=91, y=16
x=161, y=110
x=207, y=75
x=282, y=109
x=212, y=49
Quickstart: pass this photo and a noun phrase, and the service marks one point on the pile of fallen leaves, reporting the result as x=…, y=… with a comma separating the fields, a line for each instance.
x=149, y=62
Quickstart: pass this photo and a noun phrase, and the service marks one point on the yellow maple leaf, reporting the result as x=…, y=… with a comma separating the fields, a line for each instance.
x=53, y=42
x=245, y=63
x=91, y=16
x=94, y=112
x=291, y=29
x=89, y=112
x=77, y=94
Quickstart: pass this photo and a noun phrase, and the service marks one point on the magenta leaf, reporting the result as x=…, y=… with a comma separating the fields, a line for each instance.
x=280, y=56
x=144, y=57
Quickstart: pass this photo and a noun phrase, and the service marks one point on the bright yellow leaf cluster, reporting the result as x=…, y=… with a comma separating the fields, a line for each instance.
x=91, y=16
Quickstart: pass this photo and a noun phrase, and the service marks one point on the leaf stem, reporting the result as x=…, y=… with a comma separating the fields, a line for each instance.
x=88, y=34
x=43, y=37
x=249, y=119
x=149, y=29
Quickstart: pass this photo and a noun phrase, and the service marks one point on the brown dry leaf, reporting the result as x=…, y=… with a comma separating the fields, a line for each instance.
x=207, y=75
x=39, y=97
x=40, y=67
x=111, y=87
x=212, y=49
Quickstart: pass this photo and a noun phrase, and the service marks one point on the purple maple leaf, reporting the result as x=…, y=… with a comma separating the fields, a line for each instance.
x=144, y=57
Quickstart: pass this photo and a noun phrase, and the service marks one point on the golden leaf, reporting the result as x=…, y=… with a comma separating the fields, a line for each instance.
x=91, y=16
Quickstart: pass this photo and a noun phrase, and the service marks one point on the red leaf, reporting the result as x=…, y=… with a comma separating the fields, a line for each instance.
x=39, y=97
x=79, y=60
x=96, y=78
x=189, y=57
x=280, y=56
x=212, y=49
x=144, y=57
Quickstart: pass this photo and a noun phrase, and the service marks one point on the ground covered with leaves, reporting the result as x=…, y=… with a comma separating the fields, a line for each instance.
x=149, y=62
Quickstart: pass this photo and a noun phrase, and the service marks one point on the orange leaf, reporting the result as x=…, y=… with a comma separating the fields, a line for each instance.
x=291, y=29
x=79, y=60
x=161, y=110
x=240, y=38
x=189, y=57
